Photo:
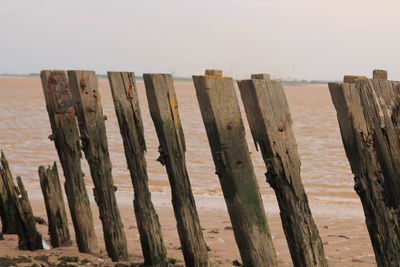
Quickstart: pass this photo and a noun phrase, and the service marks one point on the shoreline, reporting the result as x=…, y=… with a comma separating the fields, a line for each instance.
x=345, y=239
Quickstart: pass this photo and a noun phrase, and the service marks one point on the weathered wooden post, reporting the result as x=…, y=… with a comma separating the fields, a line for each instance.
x=367, y=112
x=126, y=103
x=61, y=110
x=28, y=237
x=8, y=209
x=84, y=87
x=380, y=75
x=54, y=202
x=271, y=126
x=225, y=130
x=164, y=112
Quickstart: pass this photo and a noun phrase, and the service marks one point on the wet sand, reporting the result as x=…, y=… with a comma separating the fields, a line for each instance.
x=24, y=128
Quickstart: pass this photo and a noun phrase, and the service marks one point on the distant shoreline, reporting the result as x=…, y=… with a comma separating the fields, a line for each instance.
x=178, y=79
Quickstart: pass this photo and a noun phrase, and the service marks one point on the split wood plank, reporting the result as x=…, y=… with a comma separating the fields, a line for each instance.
x=28, y=236
x=8, y=210
x=164, y=112
x=226, y=135
x=65, y=133
x=89, y=111
x=55, y=207
x=126, y=103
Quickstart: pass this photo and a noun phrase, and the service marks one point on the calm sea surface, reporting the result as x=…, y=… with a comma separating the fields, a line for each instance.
x=24, y=128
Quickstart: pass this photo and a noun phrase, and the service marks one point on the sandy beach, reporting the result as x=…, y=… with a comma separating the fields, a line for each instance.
x=327, y=179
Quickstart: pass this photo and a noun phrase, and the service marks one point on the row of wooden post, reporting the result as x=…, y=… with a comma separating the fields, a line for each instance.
x=77, y=122
x=76, y=95
x=369, y=131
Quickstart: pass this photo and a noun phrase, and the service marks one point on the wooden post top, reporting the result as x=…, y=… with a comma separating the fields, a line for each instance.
x=353, y=78
x=380, y=74
x=212, y=72
x=261, y=76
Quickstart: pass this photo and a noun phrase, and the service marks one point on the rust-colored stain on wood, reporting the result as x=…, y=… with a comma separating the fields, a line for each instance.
x=61, y=96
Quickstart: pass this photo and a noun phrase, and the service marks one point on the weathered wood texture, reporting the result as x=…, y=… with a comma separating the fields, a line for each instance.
x=8, y=210
x=55, y=207
x=126, y=103
x=226, y=135
x=353, y=78
x=84, y=87
x=28, y=237
x=368, y=115
x=380, y=74
x=270, y=123
x=164, y=112
x=60, y=107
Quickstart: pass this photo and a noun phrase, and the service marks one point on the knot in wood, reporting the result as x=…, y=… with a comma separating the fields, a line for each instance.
x=129, y=92
x=380, y=181
x=220, y=157
x=82, y=84
x=358, y=186
x=369, y=140
x=105, y=117
x=281, y=128
x=229, y=126
x=51, y=137
x=96, y=198
x=84, y=141
x=53, y=79
x=163, y=156
x=90, y=109
x=271, y=174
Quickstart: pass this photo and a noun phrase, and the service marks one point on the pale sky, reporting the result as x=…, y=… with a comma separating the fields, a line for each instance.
x=310, y=39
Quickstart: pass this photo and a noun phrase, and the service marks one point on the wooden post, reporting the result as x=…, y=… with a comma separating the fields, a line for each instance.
x=366, y=112
x=126, y=103
x=28, y=237
x=164, y=112
x=90, y=116
x=271, y=126
x=353, y=78
x=8, y=209
x=60, y=107
x=225, y=130
x=380, y=75
x=54, y=202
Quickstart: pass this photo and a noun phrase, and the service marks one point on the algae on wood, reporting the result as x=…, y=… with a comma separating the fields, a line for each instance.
x=270, y=123
x=226, y=135
x=164, y=112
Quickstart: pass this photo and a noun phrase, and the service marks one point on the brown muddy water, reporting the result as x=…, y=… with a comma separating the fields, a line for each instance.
x=24, y=128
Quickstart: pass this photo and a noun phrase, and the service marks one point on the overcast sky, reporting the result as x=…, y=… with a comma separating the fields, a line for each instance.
x=310, y=39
